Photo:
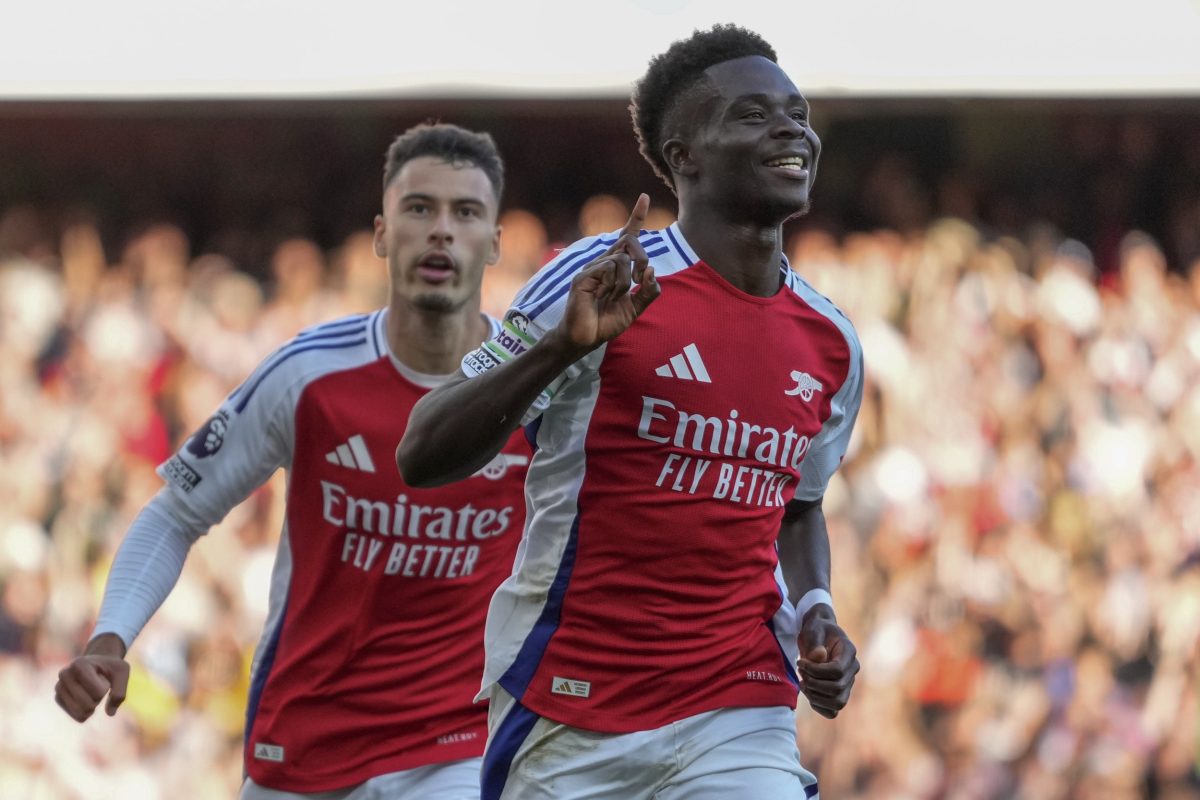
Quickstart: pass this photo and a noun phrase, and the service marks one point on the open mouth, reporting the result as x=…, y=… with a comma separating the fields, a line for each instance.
x=436, y=268
x=793, y=166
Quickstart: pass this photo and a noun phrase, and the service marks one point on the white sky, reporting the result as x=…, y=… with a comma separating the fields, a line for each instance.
x=239, y=48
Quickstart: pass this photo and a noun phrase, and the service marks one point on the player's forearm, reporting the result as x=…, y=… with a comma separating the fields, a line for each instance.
x=457, y=428
x=804, y=550
x=144, y=571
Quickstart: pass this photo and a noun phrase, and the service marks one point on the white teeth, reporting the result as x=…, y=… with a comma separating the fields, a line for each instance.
x=793, y=162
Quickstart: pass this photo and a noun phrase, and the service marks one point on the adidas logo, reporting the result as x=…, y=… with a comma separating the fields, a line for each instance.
x=352, y=454
x=805, y=386
x=568, y=686
x=268, y=752
x=686, y=366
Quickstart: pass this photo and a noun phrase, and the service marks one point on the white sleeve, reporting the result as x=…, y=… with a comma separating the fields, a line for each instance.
x=538, y=308
x=233, y=453
x=240, y=446
x=146, y=567
x=829, y=445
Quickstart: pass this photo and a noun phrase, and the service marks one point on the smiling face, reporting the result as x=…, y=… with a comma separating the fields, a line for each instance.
x=752, y=151
x=437, y=231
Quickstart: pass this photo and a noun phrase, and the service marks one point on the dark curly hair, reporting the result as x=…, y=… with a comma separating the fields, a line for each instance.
x=451, y=144
x=671, y=75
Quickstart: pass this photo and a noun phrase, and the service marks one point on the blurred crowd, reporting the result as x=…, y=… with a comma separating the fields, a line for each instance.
x=1015, y=532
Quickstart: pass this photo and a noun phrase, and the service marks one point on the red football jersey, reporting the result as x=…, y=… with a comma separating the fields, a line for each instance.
x=648, y=586
x=372, y=652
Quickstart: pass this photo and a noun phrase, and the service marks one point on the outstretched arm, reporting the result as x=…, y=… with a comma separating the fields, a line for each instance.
x=147, y=566
x=828, y=659
x=457, y=428
x=234, y=452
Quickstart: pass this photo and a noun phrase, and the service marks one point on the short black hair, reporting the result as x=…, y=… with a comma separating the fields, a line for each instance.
x=450, y=143
x=671, y=74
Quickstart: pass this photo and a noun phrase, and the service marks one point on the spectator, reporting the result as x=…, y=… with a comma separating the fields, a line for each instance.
x=1016, y=531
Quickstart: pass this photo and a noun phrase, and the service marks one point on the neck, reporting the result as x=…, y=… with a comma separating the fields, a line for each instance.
x=747, y=254
x=433, y=342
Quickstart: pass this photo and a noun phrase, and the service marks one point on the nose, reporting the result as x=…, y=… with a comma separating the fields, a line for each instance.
x=788, y=127
x=442, y=232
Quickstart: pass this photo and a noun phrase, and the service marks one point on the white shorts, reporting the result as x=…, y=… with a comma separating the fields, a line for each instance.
x=727, y=754
x=452, y=780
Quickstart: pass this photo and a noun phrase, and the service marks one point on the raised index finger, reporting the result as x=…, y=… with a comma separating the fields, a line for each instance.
x=637, y=217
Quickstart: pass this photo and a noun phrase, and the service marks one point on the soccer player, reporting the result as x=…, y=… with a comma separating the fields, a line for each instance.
x=364, y=681
x=671, y=596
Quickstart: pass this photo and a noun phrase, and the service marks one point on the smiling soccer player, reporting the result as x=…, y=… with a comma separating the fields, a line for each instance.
x=673, y=595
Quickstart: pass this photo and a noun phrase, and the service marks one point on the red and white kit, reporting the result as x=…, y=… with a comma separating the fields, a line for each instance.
x=373, y=647
x=647, y=589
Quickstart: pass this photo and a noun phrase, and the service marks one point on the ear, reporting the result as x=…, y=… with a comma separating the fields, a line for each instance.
x=380, y=229
x=679, y=157
x=495, y=255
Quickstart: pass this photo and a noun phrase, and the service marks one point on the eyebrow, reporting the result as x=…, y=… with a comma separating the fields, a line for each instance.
x=457, y=201
x=766, y=99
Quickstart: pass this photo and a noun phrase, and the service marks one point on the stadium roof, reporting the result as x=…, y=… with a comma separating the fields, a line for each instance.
x=123, y=49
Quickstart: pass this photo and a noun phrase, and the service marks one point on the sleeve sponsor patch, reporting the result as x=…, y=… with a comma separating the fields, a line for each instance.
x=517, y=321
x=177, y=471
x=479, y=361
x=513, y=338
x=208, y=440
x=508, y=343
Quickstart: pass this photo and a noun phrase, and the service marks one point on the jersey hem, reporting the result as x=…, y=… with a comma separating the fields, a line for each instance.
x=291, y=781
x=589, y=719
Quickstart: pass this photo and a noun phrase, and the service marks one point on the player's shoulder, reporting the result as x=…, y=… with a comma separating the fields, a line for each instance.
x=351, y=339
x=822, y=305
x=350, y=323
x=665, y=248
x=339, y=344
x=651, y=240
